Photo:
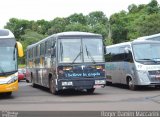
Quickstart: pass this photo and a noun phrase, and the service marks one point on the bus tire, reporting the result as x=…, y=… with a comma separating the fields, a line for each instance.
x=131, y=85
x=90, y=91
x=108, y=83
x=52, y=86
x=8, y=93
x=157, y=86
x=33, y=84
x=32, y=81
x=27, y=80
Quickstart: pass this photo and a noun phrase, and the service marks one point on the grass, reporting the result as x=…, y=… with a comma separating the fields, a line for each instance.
x=21, y=66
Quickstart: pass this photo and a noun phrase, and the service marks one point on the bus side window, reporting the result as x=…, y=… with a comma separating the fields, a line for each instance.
x=53, y=49
x=42, y=49
x=108, y=57
x=128, y=57
x=46, y=44
x=48, y=47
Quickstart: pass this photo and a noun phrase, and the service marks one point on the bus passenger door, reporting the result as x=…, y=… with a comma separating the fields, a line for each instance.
x=126, y=65
x=123, y=66
x=53, y=59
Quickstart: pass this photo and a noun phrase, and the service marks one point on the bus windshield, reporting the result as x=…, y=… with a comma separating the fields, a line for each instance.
x=80, y=50
x=147, y=52
x=69, y=50
x=93, y=50
x=8, y=57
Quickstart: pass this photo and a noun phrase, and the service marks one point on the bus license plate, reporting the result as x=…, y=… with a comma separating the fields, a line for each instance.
x=158, y=77
x=98, y=86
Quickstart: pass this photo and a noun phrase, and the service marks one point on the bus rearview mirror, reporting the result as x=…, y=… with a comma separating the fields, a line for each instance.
x=20, y=49
x=127, y=50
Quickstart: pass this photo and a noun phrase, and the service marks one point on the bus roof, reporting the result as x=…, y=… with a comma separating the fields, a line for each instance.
x=77, y=33
x=119, y=44
x=136, y=41
x=67, y=34
x=150, y=37
x=5, y=33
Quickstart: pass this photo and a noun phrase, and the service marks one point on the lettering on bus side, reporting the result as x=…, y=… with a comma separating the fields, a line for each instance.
x=82, y=74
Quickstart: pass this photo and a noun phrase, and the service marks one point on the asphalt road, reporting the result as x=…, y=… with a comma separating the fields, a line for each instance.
x=110, y=98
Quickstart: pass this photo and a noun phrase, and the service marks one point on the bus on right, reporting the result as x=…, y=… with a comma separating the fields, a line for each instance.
x=135, y=63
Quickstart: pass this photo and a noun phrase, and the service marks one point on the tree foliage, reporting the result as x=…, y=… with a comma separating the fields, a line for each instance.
x=141, y=20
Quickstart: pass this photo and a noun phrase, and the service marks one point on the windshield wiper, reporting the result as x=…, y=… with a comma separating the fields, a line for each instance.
x=2, y=71
x=156, y=59
x=153, y=60
x=77, y=56
x=89, y=55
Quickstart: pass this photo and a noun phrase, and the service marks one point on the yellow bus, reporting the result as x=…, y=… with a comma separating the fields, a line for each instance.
x=9, y=52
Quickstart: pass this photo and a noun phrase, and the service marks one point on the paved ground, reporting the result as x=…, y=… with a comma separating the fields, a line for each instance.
x=110, y=98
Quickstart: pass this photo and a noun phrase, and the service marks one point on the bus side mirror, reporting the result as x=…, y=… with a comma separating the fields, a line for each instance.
x=127, y=50
x=20, y=49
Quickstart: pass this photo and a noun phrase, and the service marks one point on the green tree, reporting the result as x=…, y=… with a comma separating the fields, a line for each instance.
x=43, y=26
x=96, y=17
x=98, y=23
x=76, y=18
x=57, y=25
x=139, y=21
x=149, y=25
x=118, y=22
x=17, y=27
x=153, y=7
x=30, y=37
x=100, y=29
x=133, y=8
x=77, y=27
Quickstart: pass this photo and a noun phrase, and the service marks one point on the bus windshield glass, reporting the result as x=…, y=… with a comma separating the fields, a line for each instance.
x=147, y=52
x=70, y=49
x=8, y=56
x=80, y=50
x=93, y=50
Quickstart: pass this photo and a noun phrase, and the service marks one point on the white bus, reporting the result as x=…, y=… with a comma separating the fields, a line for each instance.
x=135, y=63
x=9, y=49
x=155, y=37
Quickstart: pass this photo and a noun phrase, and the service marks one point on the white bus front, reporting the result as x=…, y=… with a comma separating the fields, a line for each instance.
x=147, y=62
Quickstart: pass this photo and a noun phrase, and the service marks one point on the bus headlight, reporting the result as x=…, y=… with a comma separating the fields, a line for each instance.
x=12, y=79
x=143, y=76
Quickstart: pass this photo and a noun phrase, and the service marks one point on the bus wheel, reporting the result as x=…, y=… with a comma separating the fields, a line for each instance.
x=131, y=85
x=27, y=80
x=33, y=84
x=52, y=86
x=157, y=86
x=90, y=91
x=108, y=83
x=8, y=93
x=32, y=81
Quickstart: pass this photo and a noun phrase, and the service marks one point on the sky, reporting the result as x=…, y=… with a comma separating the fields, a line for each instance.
x=50, y=9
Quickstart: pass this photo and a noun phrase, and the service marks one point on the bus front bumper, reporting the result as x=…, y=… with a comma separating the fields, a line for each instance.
x=4, y=88
x=82, y=83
